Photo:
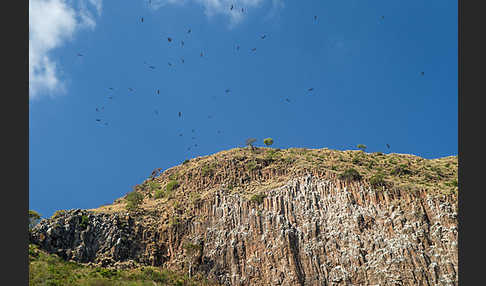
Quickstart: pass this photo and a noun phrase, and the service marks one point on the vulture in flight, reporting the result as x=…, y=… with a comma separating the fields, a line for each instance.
x=180, y=114
x=98, y=120
x=227, y=91
x=231, y=7
x=288, y=100
x=182, y=60
x=169, y=39
x=189, y=31
x=80, y=55
x=254, y=49
x=422, y=73
x=142, y=19
x=158, y=91
x=263, y=36
x=310, y=89
x=152, y=67
x=388, y=146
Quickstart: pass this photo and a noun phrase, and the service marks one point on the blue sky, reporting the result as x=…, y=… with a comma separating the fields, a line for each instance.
x=365, y=72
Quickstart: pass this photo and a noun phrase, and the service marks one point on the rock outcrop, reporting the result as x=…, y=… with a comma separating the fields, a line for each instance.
x=311, y=231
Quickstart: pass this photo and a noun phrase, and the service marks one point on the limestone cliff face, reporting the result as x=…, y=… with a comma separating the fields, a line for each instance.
x=311, y=231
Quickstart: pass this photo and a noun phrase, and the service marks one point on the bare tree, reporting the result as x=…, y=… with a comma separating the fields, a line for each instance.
x=249, y=142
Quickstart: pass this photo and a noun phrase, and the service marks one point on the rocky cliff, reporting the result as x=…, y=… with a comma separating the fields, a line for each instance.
x=313, y=228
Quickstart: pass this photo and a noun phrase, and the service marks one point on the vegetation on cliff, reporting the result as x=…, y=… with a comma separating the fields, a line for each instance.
x=50, y=269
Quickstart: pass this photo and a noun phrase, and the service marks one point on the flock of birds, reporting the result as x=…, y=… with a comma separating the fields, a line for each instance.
x=170, y=40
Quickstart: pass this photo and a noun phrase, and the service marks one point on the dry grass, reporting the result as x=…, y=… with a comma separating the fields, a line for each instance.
x=437, y=176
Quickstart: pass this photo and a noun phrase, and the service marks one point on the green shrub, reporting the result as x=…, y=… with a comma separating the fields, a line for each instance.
x=252, y=165
x=185, y=162
x=84, y=221
x=268, y=141
x=378, y=180
x=172, y=185
x=258, y=198
x=58, y=213
x=134, y=199
x=350, y=175
x=207, y=171
x=401, y=170
x=34, y=218
x=159, y=194
x=153, y=186
x=361, y=147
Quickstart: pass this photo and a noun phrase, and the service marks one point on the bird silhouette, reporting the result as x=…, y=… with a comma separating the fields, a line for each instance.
x=192, y=130
x=110, y=88
x=388, y=146
x=130, y=89
x=227, y=91
x=180, y=135
x=169, y=39
x=182, y=60
x=383, y=17
x=263, y=37
x=231, y=7
x=253, y=50
x=97, y=110
x=110, y=97
x=189, y=31
x=158, y=91
x=169, y=64
x=80, y=55
x=288, y=100
x=315, y=18
x=242, y=10
x=180, y=114
x=310, y=89
x=98, y=120
x=142, y=19
x=152, y=67
x=422, y=73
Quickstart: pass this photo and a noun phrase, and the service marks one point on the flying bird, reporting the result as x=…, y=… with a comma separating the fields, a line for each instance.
x=182, y=43
x=152, y=67
x=180, y=135
x=388, y=146
x=254, y=49
x=110, y=88
x=110, y=97
x=263, y=36
x=180, y=114
x=315, y=18
x=169, y=39
x=422, y=73
x=227, y=91
x=97, y=109
x=98, y=120
x=80, y=55
x=142, y=19
x=130, y=89
x=158, y=91
x=169, y=64
x=310, y=89
x=231, y=7
x=288, y=100
x=242, y=10
x=383, y=17
x=192, y=130
x=182, y=60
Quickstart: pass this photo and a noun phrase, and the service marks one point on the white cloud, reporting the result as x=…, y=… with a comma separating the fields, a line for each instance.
x=51, y=24
x=214, y=7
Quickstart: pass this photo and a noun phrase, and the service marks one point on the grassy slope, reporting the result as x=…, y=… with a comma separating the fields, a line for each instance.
x=49, y=269
x=407, y=172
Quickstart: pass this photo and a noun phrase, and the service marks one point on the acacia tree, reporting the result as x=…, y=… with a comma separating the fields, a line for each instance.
x=268, y=141
x=249, y=142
